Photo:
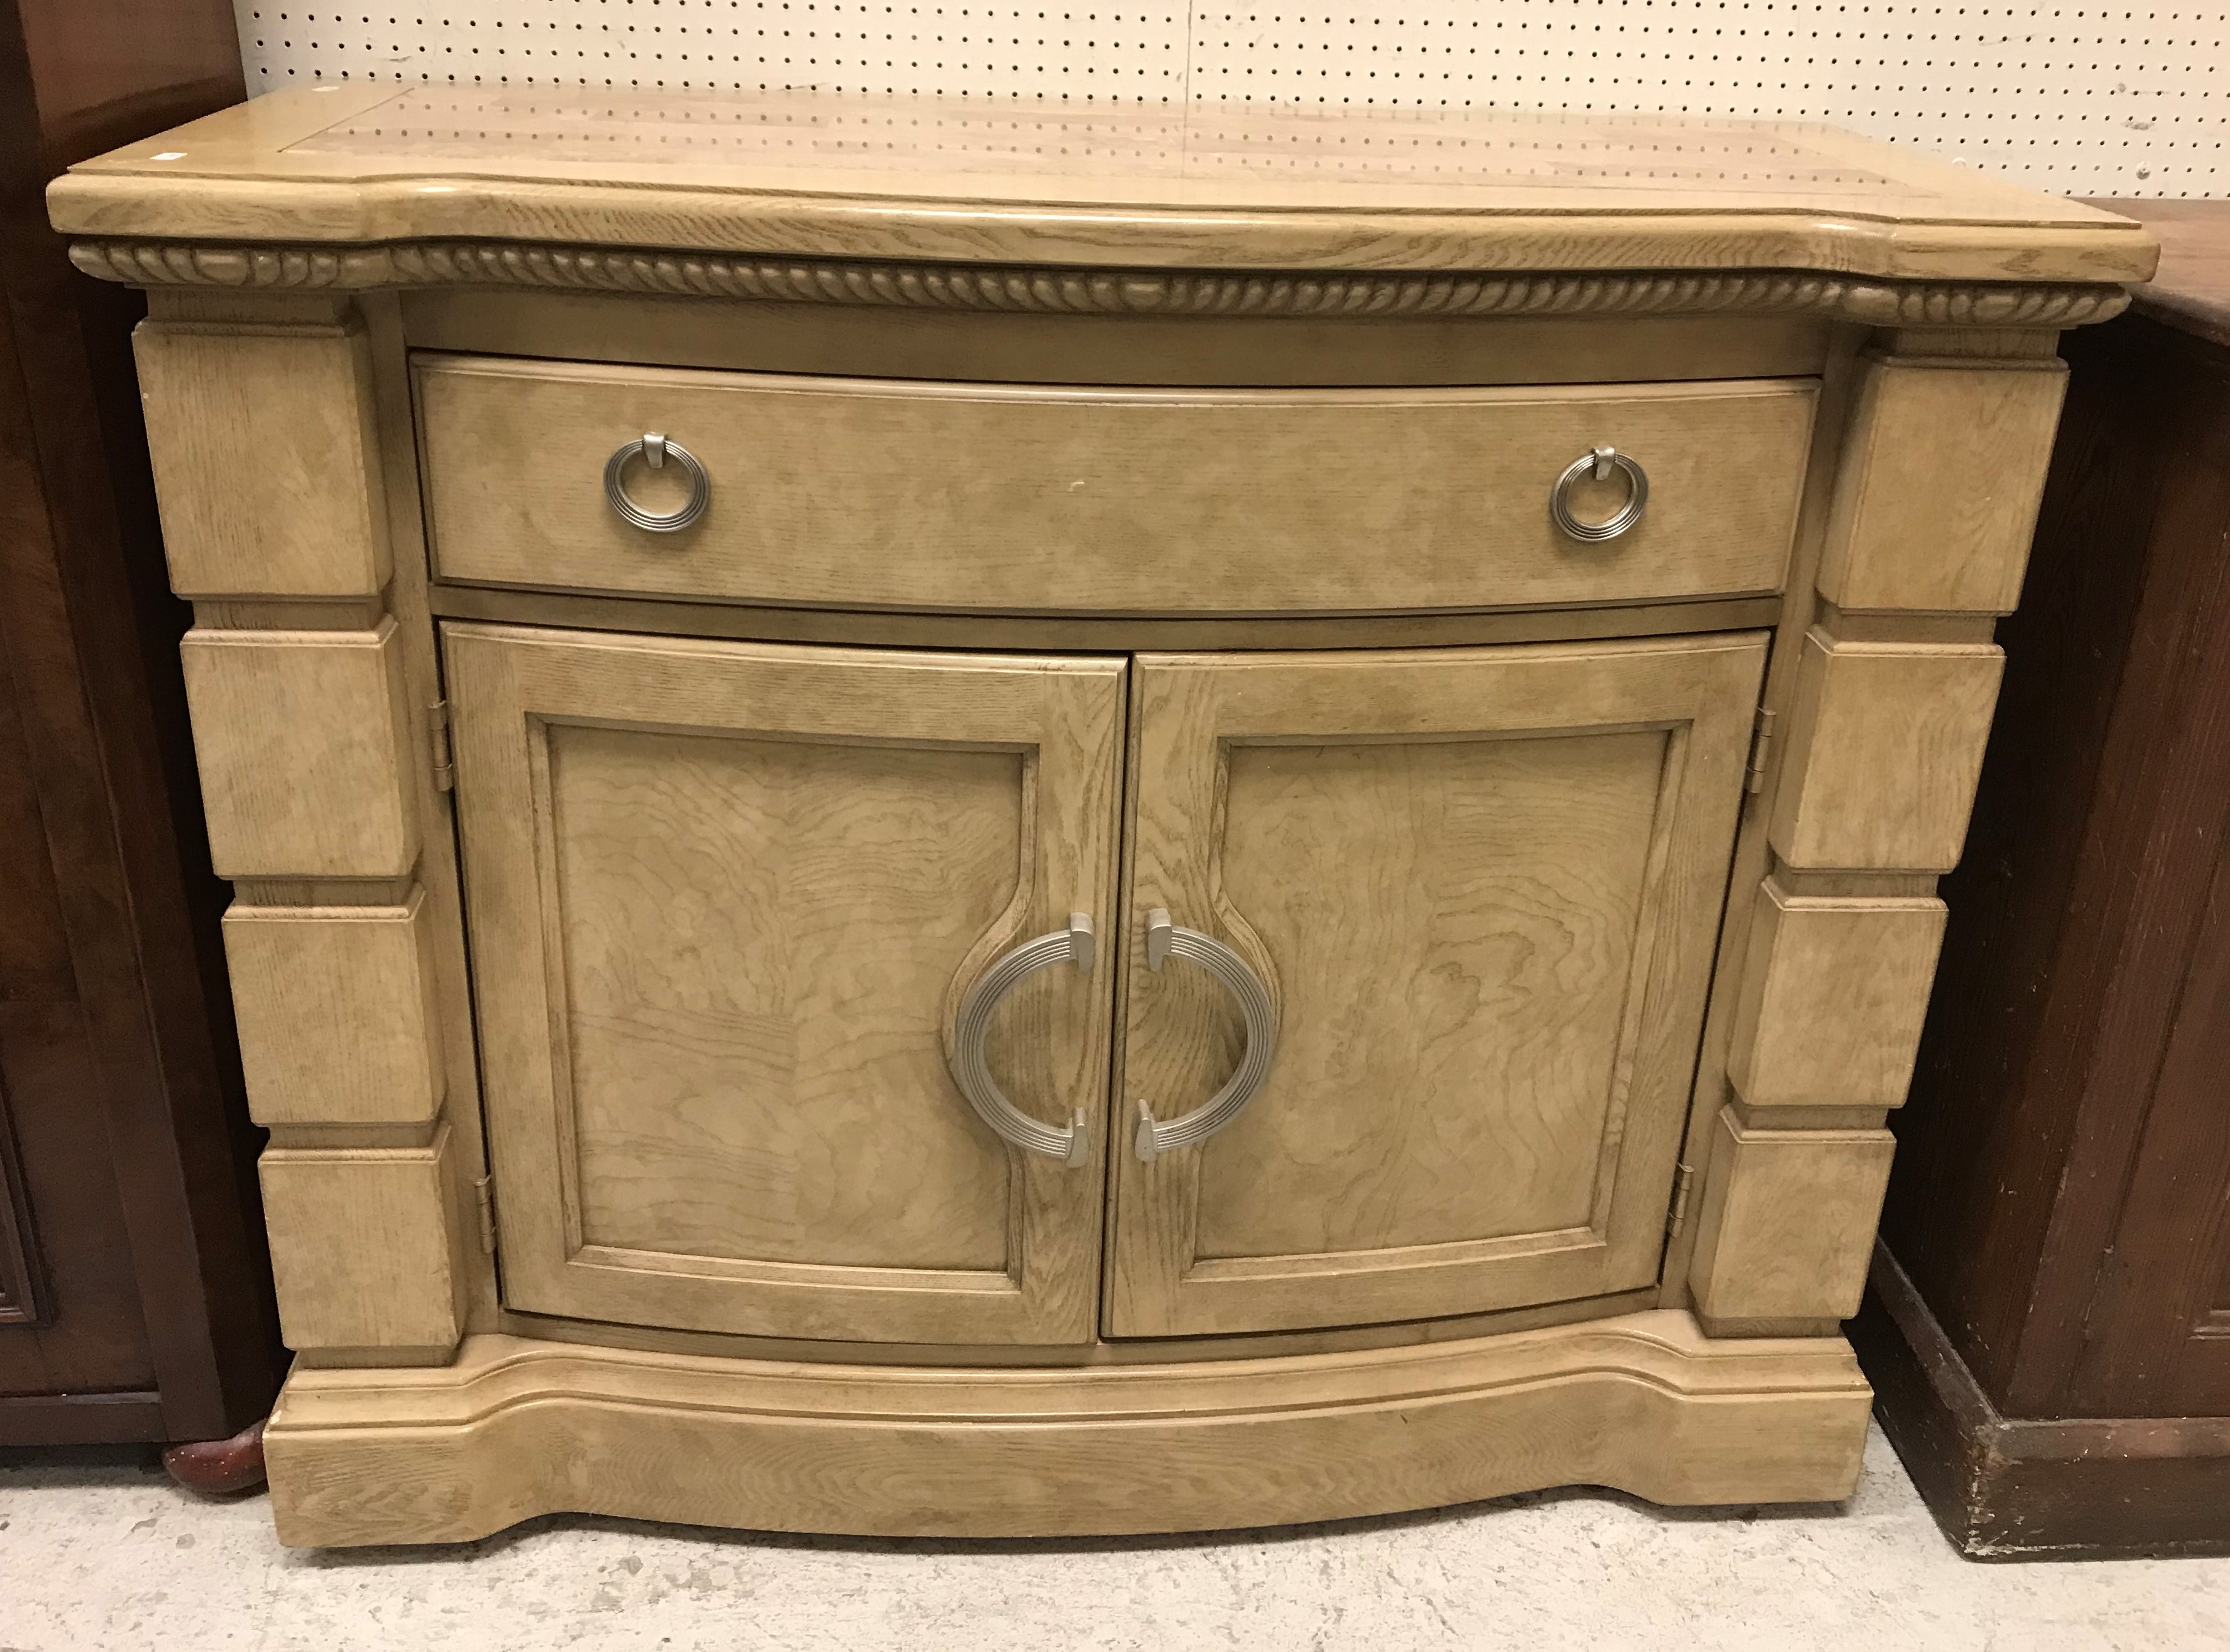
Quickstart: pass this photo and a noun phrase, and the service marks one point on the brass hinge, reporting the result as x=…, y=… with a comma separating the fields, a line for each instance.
x=1761, y=748
x=1681, y=1183
x=484, y=1189
x=437, y=737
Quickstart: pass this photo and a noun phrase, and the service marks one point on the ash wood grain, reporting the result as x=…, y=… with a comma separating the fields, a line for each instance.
x=335, y=1012
x=1256, y=188
x=305, y=751
x=1884, y=747
x=976, y=497
x=755, y=1064
x=724, y=899
x=1937, y=495
x=1443, y=966
x=517, y=1428
x=364, y=1251
x=1786, y=1227
x=1834, y=992
x=261, y=441
x=1483, y=886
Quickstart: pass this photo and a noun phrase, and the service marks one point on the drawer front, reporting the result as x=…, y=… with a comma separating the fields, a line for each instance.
x=857, y=493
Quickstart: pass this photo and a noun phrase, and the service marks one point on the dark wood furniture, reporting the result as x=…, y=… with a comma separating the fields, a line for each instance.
x=2049, y=1331
x=134, y=1291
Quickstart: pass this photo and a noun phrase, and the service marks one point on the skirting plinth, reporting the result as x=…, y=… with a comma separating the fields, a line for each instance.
x=512, y=1429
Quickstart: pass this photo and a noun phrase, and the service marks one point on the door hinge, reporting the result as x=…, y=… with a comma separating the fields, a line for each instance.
x=483, y=1189
x=1761, y=748
x=437, y=739
x=1683, y=1180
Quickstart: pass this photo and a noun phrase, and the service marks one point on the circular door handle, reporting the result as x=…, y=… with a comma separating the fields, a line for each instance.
x=1164, y=940
x=1599, y=463
x=654, y=450
x=1071, y=1144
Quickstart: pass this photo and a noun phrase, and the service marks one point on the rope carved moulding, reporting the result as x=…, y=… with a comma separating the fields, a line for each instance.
x=1048, y=291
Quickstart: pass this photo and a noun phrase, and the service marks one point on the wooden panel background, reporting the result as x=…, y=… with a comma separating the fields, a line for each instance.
x=2030, y=1155
x=134, y=1148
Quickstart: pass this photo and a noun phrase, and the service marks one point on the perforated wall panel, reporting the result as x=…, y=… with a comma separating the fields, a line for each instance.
x=2081, y=100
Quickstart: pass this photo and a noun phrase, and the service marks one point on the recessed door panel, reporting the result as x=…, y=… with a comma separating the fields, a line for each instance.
x=756, y=1066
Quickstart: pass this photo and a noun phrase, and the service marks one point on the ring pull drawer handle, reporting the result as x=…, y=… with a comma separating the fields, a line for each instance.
x=654, y=450
x=1071, y=1144
x=1599, y=463
x=1164, y=940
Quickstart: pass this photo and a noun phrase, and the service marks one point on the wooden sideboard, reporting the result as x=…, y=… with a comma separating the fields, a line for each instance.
x=956, y=820
x=135, y=1297
x=2050, y=1327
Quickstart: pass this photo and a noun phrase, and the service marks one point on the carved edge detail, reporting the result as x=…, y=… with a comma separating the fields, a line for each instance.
x=1060, y=291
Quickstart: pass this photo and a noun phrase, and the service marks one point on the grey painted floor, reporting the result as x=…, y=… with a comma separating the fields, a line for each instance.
x=98, y=1551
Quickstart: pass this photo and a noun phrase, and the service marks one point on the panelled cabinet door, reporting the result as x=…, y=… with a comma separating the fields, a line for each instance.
x=726, y=902
x=1476, y=891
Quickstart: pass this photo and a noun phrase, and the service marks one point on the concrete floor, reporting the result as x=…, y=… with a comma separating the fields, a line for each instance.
x=99, y=1552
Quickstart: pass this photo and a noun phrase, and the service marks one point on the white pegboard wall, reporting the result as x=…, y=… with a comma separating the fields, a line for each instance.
x=2077, y=99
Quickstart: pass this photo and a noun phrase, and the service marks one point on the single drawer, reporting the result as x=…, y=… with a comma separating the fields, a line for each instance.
x=858, y=493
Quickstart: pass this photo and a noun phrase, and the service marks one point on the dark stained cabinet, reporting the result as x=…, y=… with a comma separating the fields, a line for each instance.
x=134, y=1291
x=2050, y=1331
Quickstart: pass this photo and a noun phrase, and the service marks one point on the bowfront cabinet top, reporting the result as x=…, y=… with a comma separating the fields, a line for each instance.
x=372, y=182
x=959, y=818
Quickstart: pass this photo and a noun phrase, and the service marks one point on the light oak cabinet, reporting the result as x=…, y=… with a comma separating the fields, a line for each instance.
x=927, y=838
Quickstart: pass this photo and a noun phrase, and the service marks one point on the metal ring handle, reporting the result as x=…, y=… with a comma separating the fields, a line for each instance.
x=1599, y=462
x=655, y=450
x=1071, y=1145
x=1165, y=940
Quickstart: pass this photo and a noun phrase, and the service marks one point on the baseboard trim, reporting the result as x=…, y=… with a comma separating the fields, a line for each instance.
x=1643, y=1403
x=122, y=1418
x=2010, y=1489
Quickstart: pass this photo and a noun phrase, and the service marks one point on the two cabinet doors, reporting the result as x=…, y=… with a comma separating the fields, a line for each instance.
x=727, y=902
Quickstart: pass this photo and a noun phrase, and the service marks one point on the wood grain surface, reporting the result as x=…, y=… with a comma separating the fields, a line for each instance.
x=758, y=936
x=978, y=498
x=1885, y=744
x=305, y=750
x=1482, y=885
x=337, y=1018
x=724, y=898
x=1784, y=1234
x=516, y=1428
x=1937, y=495
x=1835, y=990
x=1352, y=187
x=365, y=1255
x=261, y=442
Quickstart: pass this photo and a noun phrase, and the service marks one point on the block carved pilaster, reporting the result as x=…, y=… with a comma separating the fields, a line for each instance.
x=268, y=469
